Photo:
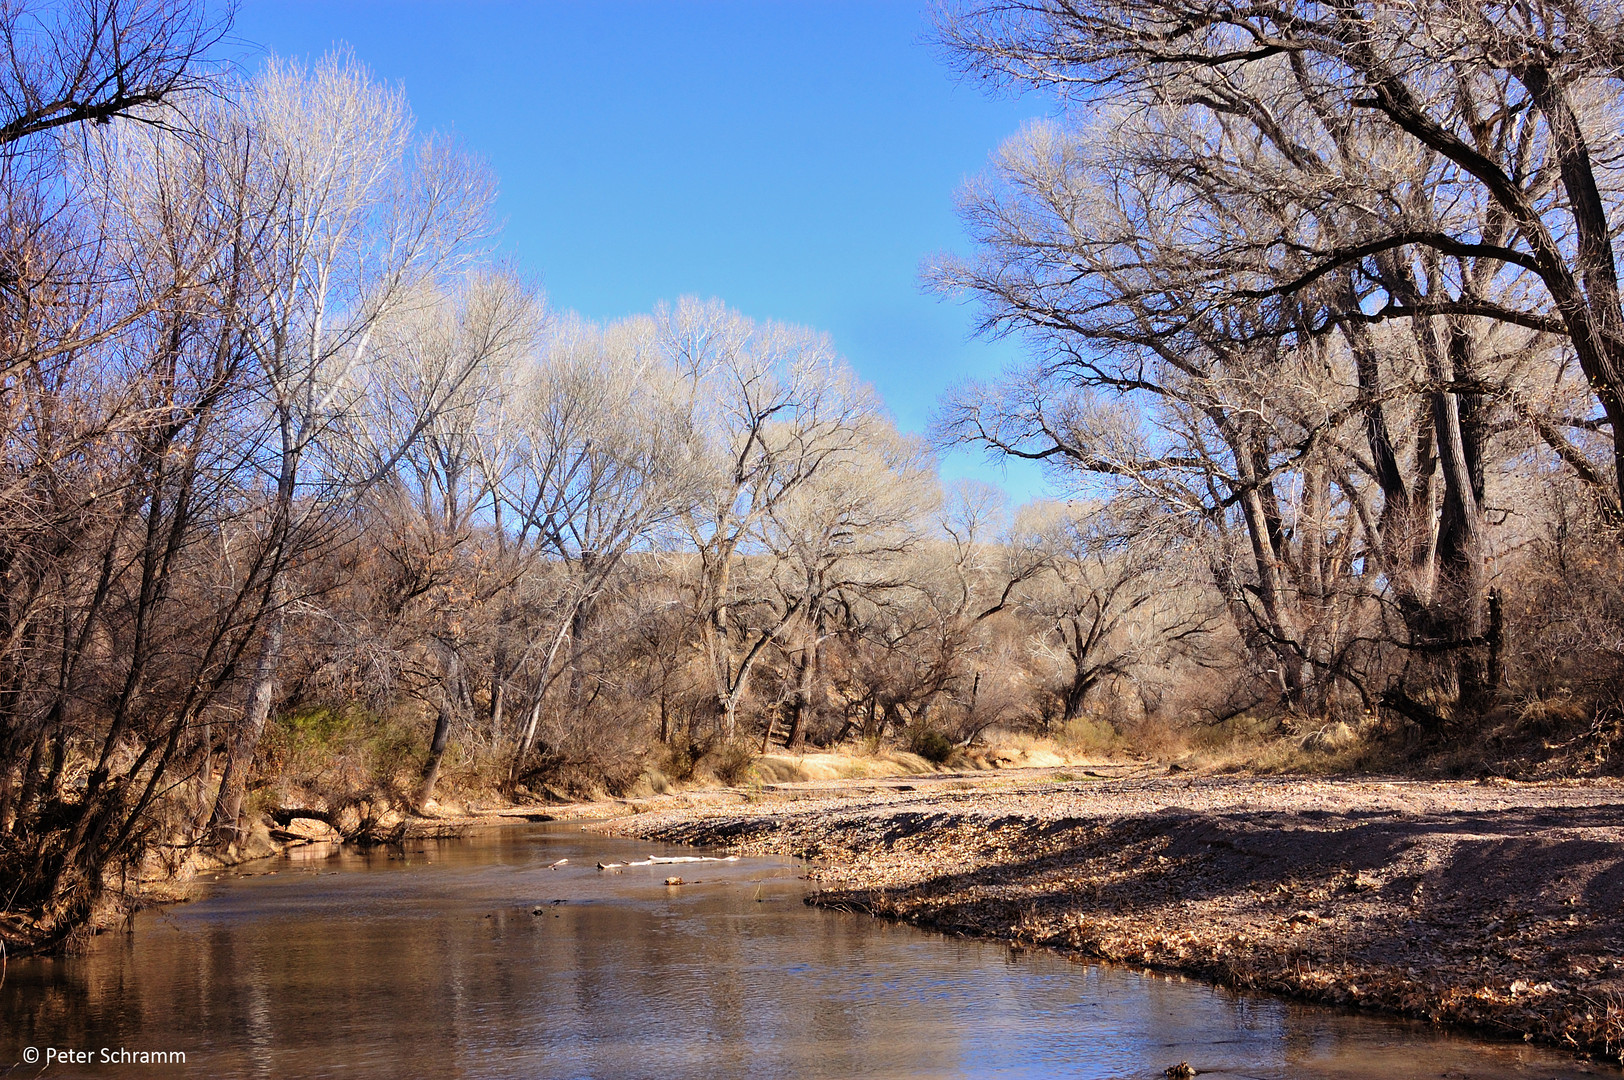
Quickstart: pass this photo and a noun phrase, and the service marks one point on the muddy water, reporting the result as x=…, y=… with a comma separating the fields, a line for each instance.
x=472, y=958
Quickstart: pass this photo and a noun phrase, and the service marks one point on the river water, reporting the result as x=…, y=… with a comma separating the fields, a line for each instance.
x=471, y=958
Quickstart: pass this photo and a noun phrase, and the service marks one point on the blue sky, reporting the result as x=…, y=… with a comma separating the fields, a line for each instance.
x=797, y=160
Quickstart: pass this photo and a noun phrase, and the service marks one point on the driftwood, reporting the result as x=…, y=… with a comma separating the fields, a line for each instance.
x=664, y=860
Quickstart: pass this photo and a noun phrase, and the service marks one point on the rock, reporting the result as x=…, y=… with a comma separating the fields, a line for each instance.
x=307, y=829
x=348, y=820
x=673, y=881
x=257, y=843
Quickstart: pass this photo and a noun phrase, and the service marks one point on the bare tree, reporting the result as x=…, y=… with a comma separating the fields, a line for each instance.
x=1213, y=250
x=772, y=405
x=435, y=377
x=94, y=60
x=592, y=462
x=838, y=539
x=1111, y=594
x=1509, y=105
x=129, y=607
x=363, y=213
x=912, y=653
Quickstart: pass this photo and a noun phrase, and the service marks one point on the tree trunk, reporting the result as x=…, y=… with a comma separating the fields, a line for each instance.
x=1077, y=692
x=431, y=768
x=1586, y=295
x=527, y=739
x=718, y=634
x=233, y=781
x=450, y=695
x=806, y=687
x=1453, y=620
x=9, y=810
x=1280, y=627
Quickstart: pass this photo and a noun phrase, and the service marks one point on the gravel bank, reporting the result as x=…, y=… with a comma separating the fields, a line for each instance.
x=1495, y=905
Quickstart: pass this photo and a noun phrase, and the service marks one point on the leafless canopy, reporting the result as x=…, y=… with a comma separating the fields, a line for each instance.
x=73, y=61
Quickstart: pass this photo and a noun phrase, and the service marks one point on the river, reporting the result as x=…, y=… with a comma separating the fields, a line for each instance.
x=479, y=958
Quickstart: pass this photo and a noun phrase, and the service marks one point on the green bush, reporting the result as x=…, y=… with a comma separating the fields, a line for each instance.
x=344, y=748
x=930, y=744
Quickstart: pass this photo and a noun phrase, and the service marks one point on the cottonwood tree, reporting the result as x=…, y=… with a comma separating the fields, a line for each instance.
x=594, y=460
x=1144, y=398
x=839, y=539
x=363, y=213
x=912, y=652
x=435, y=381
x=771, y=406
x=1513, y=99
x=1294, y=208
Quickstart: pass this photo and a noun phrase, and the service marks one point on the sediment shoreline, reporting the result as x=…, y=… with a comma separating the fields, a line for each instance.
x=1494, y=905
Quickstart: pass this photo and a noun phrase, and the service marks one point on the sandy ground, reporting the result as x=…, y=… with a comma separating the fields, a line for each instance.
x=1490, y=904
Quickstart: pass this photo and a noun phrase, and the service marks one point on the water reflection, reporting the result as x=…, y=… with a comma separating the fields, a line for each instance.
x=472, y=959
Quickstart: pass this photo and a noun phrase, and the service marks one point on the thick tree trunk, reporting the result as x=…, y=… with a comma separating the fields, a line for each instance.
x=806, y=685
x=1456, y=620
x=1077, y=693
x=1587, y=294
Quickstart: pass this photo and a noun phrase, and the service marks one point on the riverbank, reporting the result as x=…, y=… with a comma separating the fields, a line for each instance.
x=1494, y=905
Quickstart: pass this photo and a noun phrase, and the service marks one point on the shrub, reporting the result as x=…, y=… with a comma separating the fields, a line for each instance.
x=731, y=762
x=930, y=744
x=338, y=753
x=1086, y=735
x=682, y=756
